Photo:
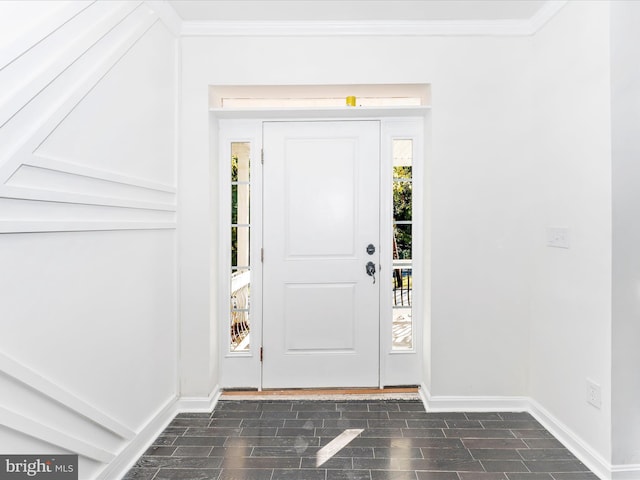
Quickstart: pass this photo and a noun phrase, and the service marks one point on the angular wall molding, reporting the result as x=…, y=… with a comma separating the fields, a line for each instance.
x=22, y=148
x=30, y=193
x=73, y=49
x=128, y=457
x=64, y=166
x=167, y=15
x=47, y=25
x=28, y=175
x=72, y=67
x=36, y=429
x=143, y=440
x=38, y=383
x=8, y=226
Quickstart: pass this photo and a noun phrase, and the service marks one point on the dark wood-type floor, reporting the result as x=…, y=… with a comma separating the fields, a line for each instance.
x=279, y=440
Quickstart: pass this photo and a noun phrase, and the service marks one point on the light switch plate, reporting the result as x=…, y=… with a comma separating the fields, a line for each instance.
x=558, y=237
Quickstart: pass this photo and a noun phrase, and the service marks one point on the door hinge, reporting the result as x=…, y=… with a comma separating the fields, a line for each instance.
x=262, y=156
x=261, y=354
x=262, y=254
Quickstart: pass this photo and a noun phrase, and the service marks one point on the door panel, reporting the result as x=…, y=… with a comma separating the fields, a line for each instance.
x=321, y=210
x=319, y=317
x=320, y=180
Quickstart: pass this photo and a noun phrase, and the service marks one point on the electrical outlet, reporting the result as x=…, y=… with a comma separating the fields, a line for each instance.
x=558, y=237
x=594, y=394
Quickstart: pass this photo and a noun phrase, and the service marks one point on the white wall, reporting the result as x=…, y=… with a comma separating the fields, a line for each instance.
x=479, y=184
x=570, y=332
x=625, y=118
x=480, y=215
x=88, y=284
x=520, y=140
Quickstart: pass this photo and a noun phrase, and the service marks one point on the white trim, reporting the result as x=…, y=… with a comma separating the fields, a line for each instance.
x=26, y=226
x=36, y=429
x=593, y=460
x=168, y=16
x=200, y=404
x=64, y=166
x=46, y=26
x=241, y=125
x=177, y=102
x=321, y=113
x=245, y=365
x=625, y=472
x=546, y=13
x=35, y=193
x=54, y=66
x=52, y=115
x=571, y=440
x=508, y=27
x=229, y=28
x=423, y=392
x=128, y=457
x=37, y=382
x=130, y=454
x=402, y=367
x=475, y=404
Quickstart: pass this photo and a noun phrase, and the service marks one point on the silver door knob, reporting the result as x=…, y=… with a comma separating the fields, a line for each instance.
x=371, y=270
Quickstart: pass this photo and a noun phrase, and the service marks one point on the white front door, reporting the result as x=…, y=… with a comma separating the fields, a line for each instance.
x=321, y=212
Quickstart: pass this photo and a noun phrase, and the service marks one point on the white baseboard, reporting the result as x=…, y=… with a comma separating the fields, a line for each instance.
x=625, y=472
x=141, y=442
x=130, y=454
x=424, y=396
x=472, y=404
x=200, y=404
x=572, y=441
x=564, y=434
x=145, y=437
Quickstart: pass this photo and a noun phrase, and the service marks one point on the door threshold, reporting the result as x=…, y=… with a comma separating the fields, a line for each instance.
x=391, y=393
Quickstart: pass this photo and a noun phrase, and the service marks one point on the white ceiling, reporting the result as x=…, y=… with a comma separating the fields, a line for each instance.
x=354, y=10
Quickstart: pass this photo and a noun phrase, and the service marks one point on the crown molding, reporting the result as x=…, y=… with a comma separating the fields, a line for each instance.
x=375, y=28
x=351, y=28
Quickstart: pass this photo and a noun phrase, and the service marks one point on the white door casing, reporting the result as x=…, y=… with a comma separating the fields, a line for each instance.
x=320, y=212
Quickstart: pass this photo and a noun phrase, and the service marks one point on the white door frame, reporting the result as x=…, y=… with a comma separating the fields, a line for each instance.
x=243, y=370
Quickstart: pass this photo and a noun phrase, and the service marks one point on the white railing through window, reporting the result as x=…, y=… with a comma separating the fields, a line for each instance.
x=240, y=326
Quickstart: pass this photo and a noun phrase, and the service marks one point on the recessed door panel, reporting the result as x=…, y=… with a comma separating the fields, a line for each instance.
x=321, y=203
x=320, y=318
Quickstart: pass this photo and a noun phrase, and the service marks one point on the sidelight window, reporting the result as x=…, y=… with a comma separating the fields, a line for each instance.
x=240, y=318
x=402, y=245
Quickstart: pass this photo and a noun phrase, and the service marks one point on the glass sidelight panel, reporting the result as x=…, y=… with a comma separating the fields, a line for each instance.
x=240, y=246
x=402, y=282
x=403, y=244
x=239, y=308
x=240, y=204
